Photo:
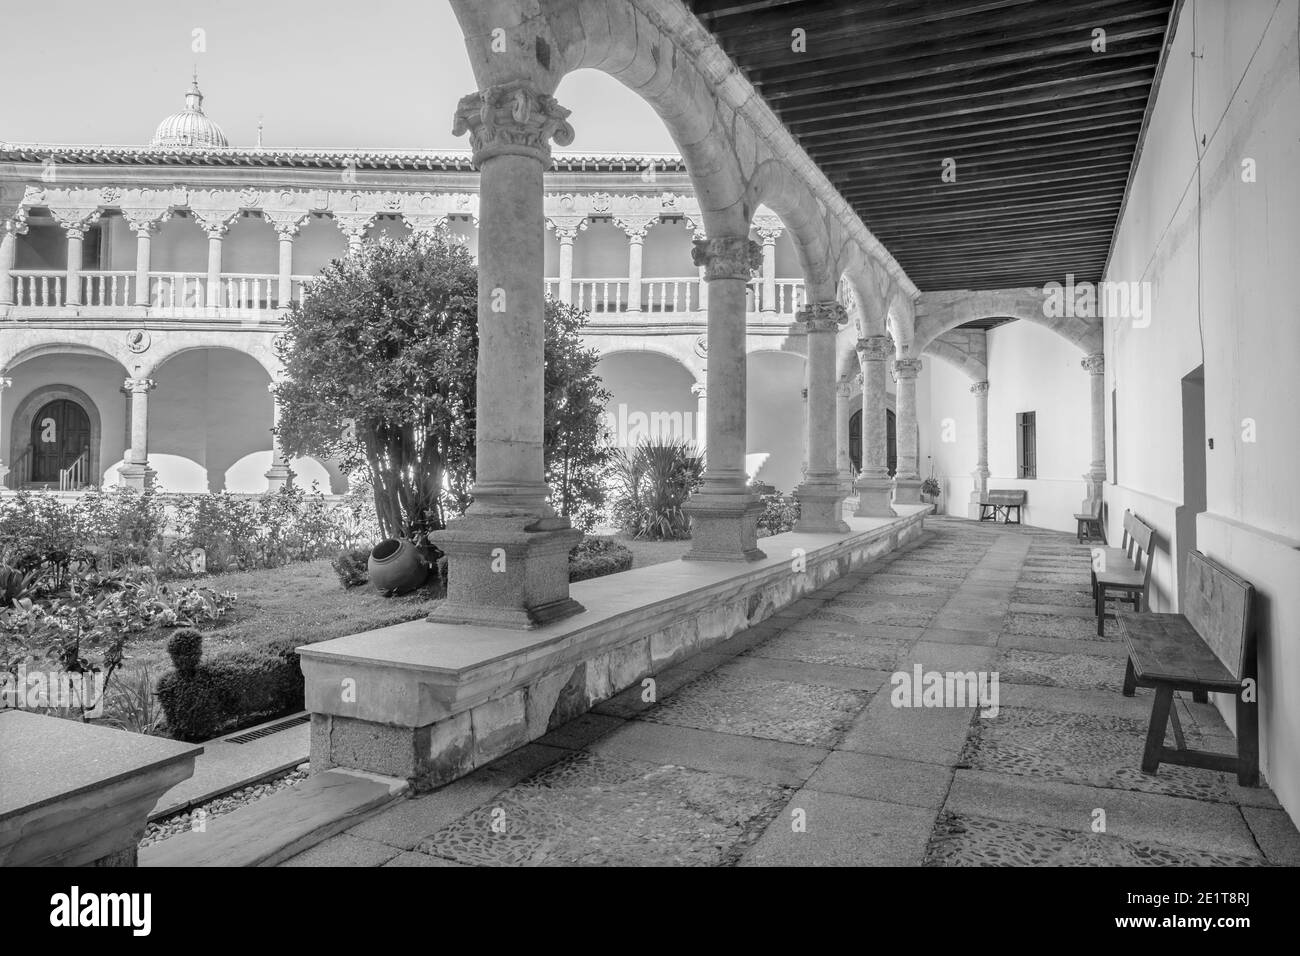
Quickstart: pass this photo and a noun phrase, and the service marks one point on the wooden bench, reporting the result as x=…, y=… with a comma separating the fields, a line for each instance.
x=1090, y=523
x=1001, y=501
x=1208, y=648
x=1127, y=575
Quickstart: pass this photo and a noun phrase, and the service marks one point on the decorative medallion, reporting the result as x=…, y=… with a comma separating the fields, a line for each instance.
x=702, y=346
x=250, y=198
x=137, y=340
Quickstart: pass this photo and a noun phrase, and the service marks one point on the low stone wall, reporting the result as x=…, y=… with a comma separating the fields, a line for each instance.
x=430, y=702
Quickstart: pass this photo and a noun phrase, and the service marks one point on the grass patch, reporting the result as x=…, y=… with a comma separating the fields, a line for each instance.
x=301, y=602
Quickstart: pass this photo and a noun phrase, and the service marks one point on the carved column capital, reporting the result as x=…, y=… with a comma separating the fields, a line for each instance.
x=699, y=390
x=822, y=316
x=145, y=222
x=286, y=224
x=729, y=257
x=567, y=227
x=512, y=119
x=769, y=229
x=874, y=348
x=137, y=386
x=1095, y=363
x=907, y=368
x=5, y=382
x=980, y=388
x=844, y=388
x=636, y=226
x=354, y=224
x=214, y=222
x=16, y=225
x=76, y=220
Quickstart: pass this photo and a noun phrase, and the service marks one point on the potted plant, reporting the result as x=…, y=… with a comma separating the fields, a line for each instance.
x=930, y=490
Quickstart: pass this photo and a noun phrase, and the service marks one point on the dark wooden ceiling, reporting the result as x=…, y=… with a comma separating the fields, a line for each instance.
x=1041, y=128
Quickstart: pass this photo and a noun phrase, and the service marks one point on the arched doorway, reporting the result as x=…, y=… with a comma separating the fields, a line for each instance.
x=891, y=441
x=61, y=434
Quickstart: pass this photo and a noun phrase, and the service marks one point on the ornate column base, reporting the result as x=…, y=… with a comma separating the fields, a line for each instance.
x=724, y=527
x=907, y=491
x=501, y=574
x=278, y=478
x=821, y=506
x=137, y=477
x=874, y=495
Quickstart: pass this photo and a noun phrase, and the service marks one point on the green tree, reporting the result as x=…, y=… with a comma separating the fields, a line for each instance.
x=380, y=362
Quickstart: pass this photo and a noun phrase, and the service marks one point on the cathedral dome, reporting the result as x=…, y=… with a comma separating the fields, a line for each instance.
x=190, y=128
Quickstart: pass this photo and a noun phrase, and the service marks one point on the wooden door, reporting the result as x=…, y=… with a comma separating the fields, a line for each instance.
x=60, y=433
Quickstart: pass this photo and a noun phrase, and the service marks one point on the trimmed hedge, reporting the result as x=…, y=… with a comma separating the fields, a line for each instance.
x=595, y=557
x=204, y=697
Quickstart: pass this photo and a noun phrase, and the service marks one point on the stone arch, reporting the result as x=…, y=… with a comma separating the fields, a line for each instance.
x=38, y=398
x=25, y=353
x=772, y=186
x=651, y=396
x=967, y=361
x=937, y=312
x=250, y=344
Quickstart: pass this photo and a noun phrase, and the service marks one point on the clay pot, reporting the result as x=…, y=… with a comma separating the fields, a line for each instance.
x=395, y=566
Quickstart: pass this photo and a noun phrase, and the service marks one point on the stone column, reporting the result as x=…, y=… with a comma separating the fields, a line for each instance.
x=724, y=514
x=280, y=475
x=635, y=227
x=907, y=483
x=508, y=557
x=769, y=230
x=873, y=485
x=136, y=473
x=701, y=393
x=10, y=230
x=215, y=232
x=5, y=382
x=843, y=412
x=143, y=252
x=821, y=496
x=76, y=222
x=981, y=473
x=355, y=224
x=566, y=230
x=1095, y=479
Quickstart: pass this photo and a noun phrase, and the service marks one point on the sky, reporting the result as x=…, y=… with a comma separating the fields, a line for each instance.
x=357, y=73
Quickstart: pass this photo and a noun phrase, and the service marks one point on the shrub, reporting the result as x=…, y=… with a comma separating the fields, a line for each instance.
x=779, y=514
x=595, y=557
x=14, y=585
x=654, y=481
x=207, y=696
x=352, y=565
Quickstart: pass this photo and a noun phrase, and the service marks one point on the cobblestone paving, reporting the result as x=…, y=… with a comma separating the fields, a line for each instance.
x=806, y=720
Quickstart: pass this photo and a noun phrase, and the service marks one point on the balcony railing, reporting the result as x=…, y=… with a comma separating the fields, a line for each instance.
x=246, y=292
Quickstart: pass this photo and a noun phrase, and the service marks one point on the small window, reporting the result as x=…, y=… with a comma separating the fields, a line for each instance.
x=1026, y=446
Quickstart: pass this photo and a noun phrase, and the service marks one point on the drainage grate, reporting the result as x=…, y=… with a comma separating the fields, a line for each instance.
x=251, y=735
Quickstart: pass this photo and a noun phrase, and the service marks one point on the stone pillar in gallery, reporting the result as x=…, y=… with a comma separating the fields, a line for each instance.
x=5, y=383
x=508, y=557
x=76, y=223
x=1095, y=479
x=769, y=229
x=279, y=476
x=874, y=486
x=724, y=513
x=354, y=226
x=821, y=495
x=907, y=482
x=981, y=473
x=566, y=231
x=635, y=227
x=136, y=473
x=10, y=230
x=286, y=227
x=701, y=393
x=843, y=412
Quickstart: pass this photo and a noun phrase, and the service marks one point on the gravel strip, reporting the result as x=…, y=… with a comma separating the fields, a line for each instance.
x=198, y=816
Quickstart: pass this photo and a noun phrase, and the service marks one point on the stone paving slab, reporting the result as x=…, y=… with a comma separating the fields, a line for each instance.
x=888, y=779
x=1080, y=671
x=933, y=735
x=803, y=672
x=844, y=831
x=772, y=761
x=1216, y=827
x=1275, y=834
x=345, y=850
